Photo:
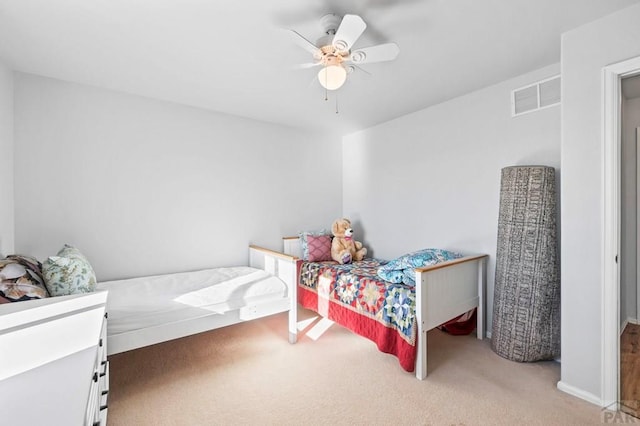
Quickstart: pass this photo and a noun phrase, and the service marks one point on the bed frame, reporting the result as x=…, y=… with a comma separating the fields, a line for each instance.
x=445, y=291
x=278, y=264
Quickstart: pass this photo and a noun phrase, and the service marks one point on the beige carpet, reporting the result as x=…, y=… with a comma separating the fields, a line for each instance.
x=249, y=374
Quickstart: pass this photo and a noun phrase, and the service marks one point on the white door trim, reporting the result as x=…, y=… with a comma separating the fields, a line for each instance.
x=637, y=315
x=610, y=320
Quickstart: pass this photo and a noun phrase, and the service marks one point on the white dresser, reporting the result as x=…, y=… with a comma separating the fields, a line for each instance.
x=53, y=362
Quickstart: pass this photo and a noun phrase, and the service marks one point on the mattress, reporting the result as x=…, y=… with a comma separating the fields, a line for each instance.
x=145, y=302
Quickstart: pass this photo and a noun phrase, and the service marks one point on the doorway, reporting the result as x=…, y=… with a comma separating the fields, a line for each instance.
x=613, y=76
x=629, y=399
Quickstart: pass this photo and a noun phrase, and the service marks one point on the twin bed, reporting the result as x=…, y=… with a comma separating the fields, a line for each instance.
x=149, y=310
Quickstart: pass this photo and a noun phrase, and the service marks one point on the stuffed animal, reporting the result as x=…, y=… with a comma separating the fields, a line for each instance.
x=344, y=249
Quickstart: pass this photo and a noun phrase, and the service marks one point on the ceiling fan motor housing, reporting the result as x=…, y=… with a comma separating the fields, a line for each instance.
x=330, y=23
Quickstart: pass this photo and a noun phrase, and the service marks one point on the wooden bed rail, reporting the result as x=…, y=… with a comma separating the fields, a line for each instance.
x=451, y=262
x=273, y=253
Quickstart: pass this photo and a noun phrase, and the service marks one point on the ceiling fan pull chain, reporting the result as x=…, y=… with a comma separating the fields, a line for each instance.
x=326, y=91
x=337, y=104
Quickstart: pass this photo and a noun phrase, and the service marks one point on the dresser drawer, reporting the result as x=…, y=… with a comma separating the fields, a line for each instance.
x=96, y=413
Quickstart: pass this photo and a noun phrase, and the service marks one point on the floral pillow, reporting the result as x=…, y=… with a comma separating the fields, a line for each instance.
x=310, y=235
x=69, y=272
x=393, y=276
x=401, y=269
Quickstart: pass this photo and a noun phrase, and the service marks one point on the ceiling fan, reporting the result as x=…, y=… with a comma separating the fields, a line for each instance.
x=334, y=51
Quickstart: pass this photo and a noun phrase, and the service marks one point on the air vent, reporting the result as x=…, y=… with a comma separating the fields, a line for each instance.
x=536, y=96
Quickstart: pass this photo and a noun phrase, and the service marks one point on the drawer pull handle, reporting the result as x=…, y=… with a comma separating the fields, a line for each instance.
x=104, y=392
x=95, y=377
x=103, y=407
x=100, y=343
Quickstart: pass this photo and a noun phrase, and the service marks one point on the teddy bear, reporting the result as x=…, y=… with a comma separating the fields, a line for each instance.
x=344, y=249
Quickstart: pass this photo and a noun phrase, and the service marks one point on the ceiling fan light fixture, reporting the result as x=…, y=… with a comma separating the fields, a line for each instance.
x=332, y=77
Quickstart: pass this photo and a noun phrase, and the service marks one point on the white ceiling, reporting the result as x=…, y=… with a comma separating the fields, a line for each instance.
x=235, y=57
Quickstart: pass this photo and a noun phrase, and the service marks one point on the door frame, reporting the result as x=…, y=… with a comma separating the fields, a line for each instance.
x=637, y=143
x=611, y=147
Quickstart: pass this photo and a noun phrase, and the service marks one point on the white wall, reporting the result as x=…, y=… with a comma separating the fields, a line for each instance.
x=432, y=178
x=144, y=186
x=585, y=51
x=628, y=238
x=6, y=162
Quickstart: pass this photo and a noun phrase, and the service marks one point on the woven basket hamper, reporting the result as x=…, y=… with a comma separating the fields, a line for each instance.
x=526, y=304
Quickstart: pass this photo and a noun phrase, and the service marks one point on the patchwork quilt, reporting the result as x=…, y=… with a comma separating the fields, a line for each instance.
x=355, y=297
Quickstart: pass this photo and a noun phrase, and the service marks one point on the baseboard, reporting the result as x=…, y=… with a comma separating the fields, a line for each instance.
x=627, y=322
x=579, y=393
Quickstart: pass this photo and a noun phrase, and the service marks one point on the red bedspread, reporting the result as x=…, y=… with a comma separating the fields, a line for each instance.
x=354, y=297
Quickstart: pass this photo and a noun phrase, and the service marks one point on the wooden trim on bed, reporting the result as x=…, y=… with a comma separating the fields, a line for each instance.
x=450, y=263
x=290, y=238
x=274, y=253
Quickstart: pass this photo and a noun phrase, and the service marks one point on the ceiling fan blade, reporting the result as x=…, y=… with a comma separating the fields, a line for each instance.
x=307, y=65
x=303, y=42
x=350, y=29
x=357, y=75
x=378, y=53
x=351, y=68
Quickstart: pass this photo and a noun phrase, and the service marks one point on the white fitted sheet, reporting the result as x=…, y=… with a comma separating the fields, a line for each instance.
x=144, y=302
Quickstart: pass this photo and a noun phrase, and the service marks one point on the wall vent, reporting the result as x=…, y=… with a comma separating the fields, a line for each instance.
x=536, y=96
